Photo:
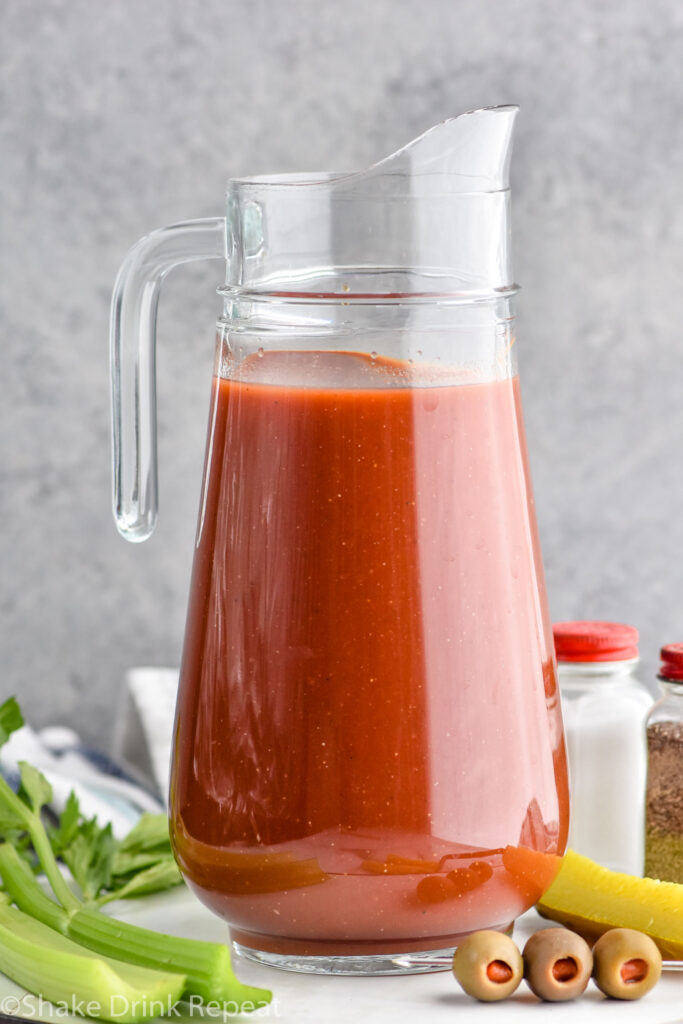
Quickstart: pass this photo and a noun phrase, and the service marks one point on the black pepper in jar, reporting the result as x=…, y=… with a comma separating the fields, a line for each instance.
x=664, y=800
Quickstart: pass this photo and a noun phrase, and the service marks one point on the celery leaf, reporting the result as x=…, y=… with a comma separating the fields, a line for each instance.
x=89, y=857
x=11, y=719
x=66, y=831
x=35, y=790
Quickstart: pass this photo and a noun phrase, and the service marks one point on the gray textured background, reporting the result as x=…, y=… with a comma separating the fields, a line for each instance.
x=119, y=117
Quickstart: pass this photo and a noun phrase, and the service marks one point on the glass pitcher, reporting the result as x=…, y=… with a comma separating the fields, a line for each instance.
x=368, y=718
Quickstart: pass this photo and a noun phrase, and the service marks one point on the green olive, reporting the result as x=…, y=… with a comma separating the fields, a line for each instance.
x=488, y=965
x=557, y=964
x=627, y=963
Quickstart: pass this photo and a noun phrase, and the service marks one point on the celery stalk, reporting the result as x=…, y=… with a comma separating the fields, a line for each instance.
x=27, y=893
x=54, y=967
x=30, y=820
x=206, y=965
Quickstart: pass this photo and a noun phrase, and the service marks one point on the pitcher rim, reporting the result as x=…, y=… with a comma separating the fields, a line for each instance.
x=294, y=180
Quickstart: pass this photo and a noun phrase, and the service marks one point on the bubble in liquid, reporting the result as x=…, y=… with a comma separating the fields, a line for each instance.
x=260, y=353
x=373, y=355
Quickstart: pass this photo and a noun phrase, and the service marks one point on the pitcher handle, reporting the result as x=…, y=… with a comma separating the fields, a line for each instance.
x=132, y=341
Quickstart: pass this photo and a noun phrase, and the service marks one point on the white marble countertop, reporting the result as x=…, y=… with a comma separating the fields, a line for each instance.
x=411, y=999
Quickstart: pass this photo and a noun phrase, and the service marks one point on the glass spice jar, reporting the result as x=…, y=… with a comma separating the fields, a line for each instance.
x=604, y=708
x=664, y=803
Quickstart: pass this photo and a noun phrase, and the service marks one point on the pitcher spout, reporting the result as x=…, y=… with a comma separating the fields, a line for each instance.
x=465, y=154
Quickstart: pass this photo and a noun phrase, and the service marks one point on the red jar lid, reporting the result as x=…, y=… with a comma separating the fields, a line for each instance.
x=672, y=661
x=595, y=641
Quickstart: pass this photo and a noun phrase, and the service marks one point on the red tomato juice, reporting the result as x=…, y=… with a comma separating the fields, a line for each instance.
x=368, y=695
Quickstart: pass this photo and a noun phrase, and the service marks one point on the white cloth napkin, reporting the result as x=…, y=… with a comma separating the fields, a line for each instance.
x=103, y=790
x=143, y=731
x=117, y=789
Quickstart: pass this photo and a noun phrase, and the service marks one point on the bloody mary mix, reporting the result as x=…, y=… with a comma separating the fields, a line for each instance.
x=367, y=696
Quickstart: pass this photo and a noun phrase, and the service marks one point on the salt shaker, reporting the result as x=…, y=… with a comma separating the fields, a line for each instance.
x=604, y=709
x=664, y=809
